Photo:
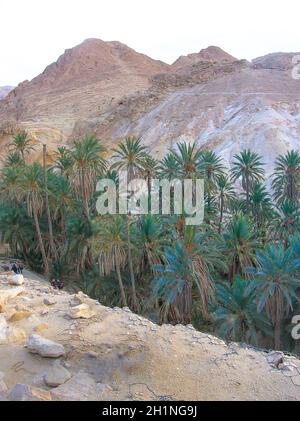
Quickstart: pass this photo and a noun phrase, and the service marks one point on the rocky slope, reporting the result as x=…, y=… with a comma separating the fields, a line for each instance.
x=57, y=346
x=4, y=91
x=108, y=89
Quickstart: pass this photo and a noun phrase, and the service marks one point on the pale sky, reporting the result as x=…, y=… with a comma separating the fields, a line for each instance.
x=33, y=33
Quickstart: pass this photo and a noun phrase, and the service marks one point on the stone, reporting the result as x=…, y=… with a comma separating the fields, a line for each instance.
x=24, y=392
x=8, y=294
x=81, y=387
x=20, y=315
x=82, y=311
x=44, y=347
x=41, y=327
x=16, y=280
x=49, y=301
x=10, y=334
x=79, y=298
x=275, y=358
x=57, y=375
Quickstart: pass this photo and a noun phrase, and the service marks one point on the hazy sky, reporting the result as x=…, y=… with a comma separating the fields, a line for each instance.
x=33, y=33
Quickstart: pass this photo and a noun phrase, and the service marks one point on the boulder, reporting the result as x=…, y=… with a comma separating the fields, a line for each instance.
x=44, y=347
x=9, y=334
x=19, y=315
x=79, y=298
x=8, y=294
x=23, y=392
x=82, y=311
x=275, y=358
x=57, y=375
x=16, y=280
x=81, y=387
x=49, y=301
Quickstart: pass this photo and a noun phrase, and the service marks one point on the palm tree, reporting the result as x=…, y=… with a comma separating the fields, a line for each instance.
x=48, y=212
x=210, y=166
x=260, y=204
x=80, y=233
x=64, y=161
x=150, y=168
x=189, y=262
x=17, y=229
x=168, y=167
x=130, y=155
x=22, y=144
x=286, y=222
x=33, y=190
x=187, y=157
x=89, y=164
x=150, y=239
x=275, y=282
x=241, y=243
x=247, y=167
x=14, y=159
x=286, y=182
x=62, y=201
x=236, y=316
x=10, y=187
x=225, y=195
x=110, y=247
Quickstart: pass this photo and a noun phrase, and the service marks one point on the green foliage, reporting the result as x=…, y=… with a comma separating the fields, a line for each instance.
x=236, y=275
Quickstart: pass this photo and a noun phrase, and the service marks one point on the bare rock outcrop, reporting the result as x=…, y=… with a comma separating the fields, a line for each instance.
x=119, y=355
x=108, y=89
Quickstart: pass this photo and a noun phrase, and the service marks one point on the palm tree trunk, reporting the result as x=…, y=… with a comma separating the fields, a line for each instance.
x=277, y=334
x=49, y=219
x=121, y=285
x=40, y=240
x=221, y=213
x=247, y=193
x=84, y=195
x=135, y=303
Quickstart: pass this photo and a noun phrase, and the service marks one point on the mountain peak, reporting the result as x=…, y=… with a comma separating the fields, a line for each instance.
x=211, y=53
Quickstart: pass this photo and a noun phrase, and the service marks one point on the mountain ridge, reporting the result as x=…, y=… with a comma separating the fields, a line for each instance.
x=108, y=89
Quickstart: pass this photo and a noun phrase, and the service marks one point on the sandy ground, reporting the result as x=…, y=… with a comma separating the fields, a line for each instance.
x=134, y=359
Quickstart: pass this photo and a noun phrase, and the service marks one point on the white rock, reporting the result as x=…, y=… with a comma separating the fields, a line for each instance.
x=83, y=311
x=9, y=335
x=44, y=347
x=8, y=294
x=16, y=280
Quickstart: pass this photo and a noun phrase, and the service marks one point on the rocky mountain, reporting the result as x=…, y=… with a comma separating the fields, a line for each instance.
x=5, y=90
x=61, y=346
x=108, y=89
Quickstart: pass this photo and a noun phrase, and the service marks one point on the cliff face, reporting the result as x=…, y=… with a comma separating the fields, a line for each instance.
x=108, y=89
x=77, y=349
